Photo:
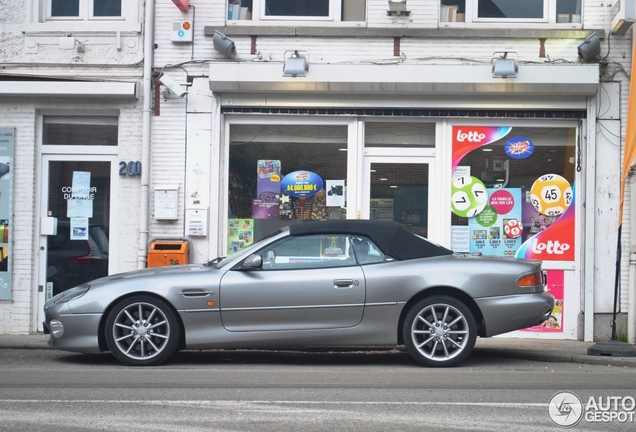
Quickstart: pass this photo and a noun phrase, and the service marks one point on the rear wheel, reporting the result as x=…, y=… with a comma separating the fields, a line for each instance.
x=439, y=331
x=142, y=331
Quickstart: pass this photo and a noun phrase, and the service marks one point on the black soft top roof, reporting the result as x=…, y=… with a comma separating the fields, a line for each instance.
x=390, y=237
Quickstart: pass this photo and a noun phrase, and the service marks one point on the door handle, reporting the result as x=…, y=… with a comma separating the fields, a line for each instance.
x=343, y=283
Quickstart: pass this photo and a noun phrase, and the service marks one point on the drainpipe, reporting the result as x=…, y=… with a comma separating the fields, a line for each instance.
x=631, y=289
x=149, y=40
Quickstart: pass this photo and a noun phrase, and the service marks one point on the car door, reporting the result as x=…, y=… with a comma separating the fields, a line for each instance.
x=307, y=282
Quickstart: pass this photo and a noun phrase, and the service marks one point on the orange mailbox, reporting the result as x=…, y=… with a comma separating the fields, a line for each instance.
x=167, y=253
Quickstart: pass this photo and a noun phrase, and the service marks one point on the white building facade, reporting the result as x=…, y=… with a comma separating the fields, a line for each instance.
x=389, y=110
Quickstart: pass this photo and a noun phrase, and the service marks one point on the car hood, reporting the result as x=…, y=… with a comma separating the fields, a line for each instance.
x=153, y=272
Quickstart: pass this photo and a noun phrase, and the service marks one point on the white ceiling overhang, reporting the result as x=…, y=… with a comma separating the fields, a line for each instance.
x=395, y=81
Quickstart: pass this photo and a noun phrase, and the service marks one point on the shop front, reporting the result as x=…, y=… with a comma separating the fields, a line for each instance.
x=506, y=182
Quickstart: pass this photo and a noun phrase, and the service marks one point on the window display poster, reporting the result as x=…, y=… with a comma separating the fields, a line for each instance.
x=265, y=205
x=496, y=231
x=240, y=234
x=7, y=148
x=554, y=239
x=554, y=323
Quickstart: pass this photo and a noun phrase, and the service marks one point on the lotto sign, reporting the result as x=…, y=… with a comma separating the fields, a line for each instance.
x=469, y=196
x=551, y=194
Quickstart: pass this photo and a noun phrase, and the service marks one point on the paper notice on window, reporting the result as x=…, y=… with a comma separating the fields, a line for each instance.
x=79, y=228
x=460, y=238
x=335, y=193
x=81, y=186
x=79, y=208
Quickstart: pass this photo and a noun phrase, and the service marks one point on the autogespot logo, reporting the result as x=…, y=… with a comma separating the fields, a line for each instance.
x=565, y=409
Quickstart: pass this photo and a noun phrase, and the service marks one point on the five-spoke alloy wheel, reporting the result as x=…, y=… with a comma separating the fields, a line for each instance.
x=142, y=330
x=439, y=331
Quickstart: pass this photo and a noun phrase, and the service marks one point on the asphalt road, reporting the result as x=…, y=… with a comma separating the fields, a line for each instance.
x=47, y=390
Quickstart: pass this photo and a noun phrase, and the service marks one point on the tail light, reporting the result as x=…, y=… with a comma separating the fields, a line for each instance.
x=88, y=259
x=532, y=279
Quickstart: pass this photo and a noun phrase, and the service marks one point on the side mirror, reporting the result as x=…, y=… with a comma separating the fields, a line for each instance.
x=253, y=262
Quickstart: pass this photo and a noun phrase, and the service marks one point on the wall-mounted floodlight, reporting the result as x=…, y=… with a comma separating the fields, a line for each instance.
x=296, y=64
x=503, y=67
x=173, y=86
x=223, y=44
x=590, y=50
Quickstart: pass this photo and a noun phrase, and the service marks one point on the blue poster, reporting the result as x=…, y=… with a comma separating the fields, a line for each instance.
x=497, y=230
x=7, y=137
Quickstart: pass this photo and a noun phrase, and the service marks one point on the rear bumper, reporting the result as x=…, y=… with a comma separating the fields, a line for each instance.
x=504, y=314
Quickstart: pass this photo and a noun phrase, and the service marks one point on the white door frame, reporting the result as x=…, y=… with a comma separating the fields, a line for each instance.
x=66, y=153
x=418, y=156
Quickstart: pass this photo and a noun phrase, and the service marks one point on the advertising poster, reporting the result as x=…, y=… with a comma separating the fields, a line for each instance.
x=497, y=230
x=554, y=323
x=554, y=237
x=265, y=205
x=240, y=234
x=7, y=144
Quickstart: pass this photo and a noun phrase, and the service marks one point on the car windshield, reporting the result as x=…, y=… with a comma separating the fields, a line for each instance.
x=238, y=256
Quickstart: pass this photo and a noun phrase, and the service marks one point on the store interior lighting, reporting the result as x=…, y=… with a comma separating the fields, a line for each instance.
x=296, y=64
x=504, y=67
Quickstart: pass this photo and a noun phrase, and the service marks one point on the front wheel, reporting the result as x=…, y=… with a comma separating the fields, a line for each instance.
x=439, y=331
x=142, y=331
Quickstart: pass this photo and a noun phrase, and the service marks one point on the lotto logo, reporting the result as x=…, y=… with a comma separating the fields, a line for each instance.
x=551, y=247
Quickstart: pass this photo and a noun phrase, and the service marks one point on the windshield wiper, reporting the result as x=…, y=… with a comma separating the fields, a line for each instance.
x=214, y=261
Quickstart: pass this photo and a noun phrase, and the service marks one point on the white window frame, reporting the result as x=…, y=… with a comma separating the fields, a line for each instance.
x=40, y=19
x=258, y=14
x=86, y=12
x=333, y=15
x=549, y=18
x=545, y=19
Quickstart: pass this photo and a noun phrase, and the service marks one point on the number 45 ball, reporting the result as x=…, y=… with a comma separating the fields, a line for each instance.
x=468, y=196
x=551, y=195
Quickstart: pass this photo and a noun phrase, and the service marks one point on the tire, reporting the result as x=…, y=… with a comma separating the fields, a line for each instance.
x=142, y=331
x=428, y=337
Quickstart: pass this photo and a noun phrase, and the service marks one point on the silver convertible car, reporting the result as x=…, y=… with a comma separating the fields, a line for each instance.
x=347, y=283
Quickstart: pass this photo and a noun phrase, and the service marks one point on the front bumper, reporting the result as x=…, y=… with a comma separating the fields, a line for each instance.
x=504, y=314
x=72, y=332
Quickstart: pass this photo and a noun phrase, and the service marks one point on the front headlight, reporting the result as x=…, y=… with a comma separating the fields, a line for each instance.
x=69, y=295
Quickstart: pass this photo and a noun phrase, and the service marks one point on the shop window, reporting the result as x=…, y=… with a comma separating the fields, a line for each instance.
x=80, y=130
x=308, y=10
x=513, y=191
x=546, y=11
x=399, y=134
x=281, y=175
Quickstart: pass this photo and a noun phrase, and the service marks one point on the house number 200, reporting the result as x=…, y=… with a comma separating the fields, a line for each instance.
x=132, y=168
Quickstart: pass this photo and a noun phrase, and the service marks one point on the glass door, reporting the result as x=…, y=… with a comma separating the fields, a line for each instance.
x=398, y=189
x=76, y=192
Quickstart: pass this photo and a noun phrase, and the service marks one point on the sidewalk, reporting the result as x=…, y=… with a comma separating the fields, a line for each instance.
x=528, y=349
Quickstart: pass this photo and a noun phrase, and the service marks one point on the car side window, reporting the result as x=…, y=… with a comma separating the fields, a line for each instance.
x=308, y=252
x=366, y=251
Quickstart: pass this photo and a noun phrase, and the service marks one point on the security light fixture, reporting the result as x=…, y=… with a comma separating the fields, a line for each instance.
x=296, y=64
x=590, y=50
x=503, y=67
x=172, y=86
x=223, y=44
